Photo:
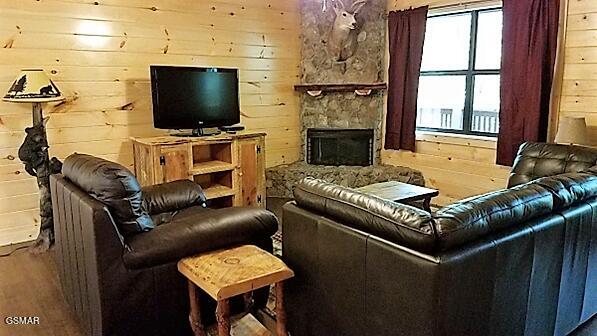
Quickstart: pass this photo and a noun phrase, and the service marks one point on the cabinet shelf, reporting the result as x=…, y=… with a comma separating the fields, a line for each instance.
x=208, y=167
x=217, y=191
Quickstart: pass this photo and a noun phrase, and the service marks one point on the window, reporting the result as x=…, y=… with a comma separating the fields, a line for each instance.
x=459, y=87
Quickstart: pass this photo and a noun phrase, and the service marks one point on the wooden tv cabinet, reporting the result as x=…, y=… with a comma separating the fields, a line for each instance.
x=229, y=167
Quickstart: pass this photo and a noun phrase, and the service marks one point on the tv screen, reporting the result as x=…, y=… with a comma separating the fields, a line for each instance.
x=192, y=98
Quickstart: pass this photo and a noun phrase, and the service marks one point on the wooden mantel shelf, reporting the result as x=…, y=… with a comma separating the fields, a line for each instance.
x=361, y=89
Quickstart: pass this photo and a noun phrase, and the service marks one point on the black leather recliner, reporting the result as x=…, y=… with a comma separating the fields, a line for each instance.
x=117, y=246
x=518, y=261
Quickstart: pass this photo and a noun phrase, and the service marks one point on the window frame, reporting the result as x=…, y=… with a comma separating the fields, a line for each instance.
x=470, y=74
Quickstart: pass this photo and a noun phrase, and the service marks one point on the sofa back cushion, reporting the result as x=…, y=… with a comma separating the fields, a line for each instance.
x=569, y=189
x=401, y=224
x=113, y=185
x=535, y=160
x=475, y=217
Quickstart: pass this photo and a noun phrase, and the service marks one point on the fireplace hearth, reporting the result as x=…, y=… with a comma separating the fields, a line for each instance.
x=340, y=147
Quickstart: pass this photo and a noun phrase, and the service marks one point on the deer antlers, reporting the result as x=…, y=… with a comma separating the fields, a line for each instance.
x=354, y=8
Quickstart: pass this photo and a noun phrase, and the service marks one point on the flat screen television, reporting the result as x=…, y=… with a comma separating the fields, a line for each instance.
x=194, y=98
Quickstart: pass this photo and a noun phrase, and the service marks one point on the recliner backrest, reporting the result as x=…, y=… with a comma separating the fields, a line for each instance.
x=113, y=185
x=535, y=160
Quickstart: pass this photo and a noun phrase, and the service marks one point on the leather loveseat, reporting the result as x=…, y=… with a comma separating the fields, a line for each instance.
x=117, y=246
x=518, y=261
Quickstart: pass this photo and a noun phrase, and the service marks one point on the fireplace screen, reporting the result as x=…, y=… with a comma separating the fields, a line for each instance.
x=340, y=147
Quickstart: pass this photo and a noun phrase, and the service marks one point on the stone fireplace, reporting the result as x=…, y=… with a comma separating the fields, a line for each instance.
x=339, y=147
x=341, y=130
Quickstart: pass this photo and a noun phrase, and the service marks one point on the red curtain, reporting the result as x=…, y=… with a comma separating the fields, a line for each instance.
x=528, y=59
x=406, y=34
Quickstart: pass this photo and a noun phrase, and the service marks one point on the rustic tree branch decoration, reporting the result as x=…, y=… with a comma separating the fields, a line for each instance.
x=34, y=154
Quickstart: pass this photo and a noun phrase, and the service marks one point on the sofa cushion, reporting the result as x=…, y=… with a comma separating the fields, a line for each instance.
x=113, y=185
x=569, y=189
x=475, y=217
x=535, y=160
x=401, y=224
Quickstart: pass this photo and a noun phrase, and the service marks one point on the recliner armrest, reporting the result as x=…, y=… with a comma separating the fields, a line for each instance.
x=172, y=196
x=208, y=231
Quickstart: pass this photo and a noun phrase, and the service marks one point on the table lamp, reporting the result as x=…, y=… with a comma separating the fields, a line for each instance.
x=34, y=86
x=572, y=130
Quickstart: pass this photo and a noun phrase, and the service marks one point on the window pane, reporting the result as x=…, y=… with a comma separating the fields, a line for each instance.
x=441, y=101
x=447, y=43
x=489, y=40
x=486, y=104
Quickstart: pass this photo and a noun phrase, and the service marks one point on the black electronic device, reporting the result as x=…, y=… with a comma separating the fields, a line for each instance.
x=194, y=98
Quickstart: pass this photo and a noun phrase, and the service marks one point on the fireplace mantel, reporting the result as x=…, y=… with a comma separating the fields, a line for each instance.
x=361, y=89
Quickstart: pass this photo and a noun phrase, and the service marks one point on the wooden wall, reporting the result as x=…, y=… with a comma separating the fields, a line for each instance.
x=579, y=87
x=98, y=53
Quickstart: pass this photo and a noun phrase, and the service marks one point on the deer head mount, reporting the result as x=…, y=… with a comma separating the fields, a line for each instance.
x=342, y=40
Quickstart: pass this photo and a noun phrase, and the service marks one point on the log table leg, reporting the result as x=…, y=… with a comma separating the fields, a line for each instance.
x=195, y=315
x=223, y=318
x=280, y=310
x=248, y=300
x=427, y=204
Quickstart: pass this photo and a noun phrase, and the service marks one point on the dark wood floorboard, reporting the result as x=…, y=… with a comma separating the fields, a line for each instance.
x=29, y=287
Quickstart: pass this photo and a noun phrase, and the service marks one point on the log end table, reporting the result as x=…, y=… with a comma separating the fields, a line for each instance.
x=237, y=271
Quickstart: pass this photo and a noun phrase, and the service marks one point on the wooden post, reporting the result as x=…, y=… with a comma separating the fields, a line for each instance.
x=195, y=314
x=280, y=310
x=223, y=317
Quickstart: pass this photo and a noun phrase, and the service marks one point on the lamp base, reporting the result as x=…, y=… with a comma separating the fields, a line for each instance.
x=34, y=154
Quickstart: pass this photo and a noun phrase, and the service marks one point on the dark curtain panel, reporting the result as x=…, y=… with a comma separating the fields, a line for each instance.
x=529, y=52
x=406, y=33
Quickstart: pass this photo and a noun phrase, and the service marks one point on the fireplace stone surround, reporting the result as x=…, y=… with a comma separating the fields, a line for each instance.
x=341, y=110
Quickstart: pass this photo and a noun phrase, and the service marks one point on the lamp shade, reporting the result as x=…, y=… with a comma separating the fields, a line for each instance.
x=33, y=86
x=572, y=130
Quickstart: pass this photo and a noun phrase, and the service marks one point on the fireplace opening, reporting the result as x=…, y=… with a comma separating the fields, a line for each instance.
x=339, y=147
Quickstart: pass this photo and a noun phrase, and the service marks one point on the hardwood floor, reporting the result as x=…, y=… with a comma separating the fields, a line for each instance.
x=29, y=287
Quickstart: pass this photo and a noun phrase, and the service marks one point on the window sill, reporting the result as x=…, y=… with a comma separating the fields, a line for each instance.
x=457, y=139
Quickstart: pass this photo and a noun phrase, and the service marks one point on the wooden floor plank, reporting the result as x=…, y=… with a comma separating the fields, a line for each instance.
x=29, y=286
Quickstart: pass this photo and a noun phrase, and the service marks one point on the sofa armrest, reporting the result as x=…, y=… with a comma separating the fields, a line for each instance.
x=209, y=231
x=172, y=196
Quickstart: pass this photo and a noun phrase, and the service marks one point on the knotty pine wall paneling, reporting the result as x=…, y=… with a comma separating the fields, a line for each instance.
x=579, y=87
x=99, y=52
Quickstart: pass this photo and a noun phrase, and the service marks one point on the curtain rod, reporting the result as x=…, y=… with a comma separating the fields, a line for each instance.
x=465, y=4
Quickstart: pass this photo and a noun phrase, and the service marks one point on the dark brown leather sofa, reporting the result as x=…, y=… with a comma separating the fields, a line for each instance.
x=117, y=246
x=518, y=261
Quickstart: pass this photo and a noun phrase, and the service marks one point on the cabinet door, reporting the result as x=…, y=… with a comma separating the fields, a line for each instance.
x=144, y=167
x=252, y=172
x=174, y=163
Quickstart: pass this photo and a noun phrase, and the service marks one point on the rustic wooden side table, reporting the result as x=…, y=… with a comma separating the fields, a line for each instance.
x=401, y=192
x=226, y=273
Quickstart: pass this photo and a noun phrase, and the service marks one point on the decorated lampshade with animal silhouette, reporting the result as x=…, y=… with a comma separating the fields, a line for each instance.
x=33, y=86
